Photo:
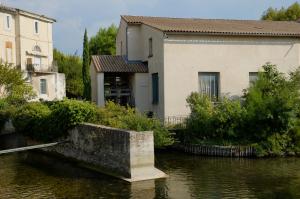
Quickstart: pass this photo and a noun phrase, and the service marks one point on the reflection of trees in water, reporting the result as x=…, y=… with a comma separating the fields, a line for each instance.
x=208, y=177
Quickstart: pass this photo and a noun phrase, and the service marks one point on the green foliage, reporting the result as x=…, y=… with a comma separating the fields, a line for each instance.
x=32, y=119
x=71, y=66
x=292, y=13
x=118, y=116
x=49, y=121
x=67, y=114
x=270, y=104
x=268, y=116
x=208, y=121
x=104, y=42
x=13, y=86
x=85, y=68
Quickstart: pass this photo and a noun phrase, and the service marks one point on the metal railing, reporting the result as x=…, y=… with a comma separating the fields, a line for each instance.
x=41, y=68
x=176, y=122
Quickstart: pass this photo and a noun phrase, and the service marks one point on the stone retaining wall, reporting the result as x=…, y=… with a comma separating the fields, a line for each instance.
x=125, y=154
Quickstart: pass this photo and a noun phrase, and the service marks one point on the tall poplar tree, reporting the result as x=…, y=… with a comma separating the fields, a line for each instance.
x=85, y=68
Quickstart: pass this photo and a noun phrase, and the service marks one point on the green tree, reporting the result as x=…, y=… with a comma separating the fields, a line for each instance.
x=292, y=13
x=71, y=66
x=85, y=68
x=13, y=86
x=104, y=42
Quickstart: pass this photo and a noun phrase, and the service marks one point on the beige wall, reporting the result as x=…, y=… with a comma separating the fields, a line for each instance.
x=55, y=86
x=232, y=57
x=28, y=39
x=121, y=37
x=140, y=89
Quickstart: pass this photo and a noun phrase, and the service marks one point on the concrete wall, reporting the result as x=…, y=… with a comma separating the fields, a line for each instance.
x=232, y=57
x=125, y=154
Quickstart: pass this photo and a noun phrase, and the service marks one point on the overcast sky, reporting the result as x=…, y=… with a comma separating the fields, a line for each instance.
x=73, y=16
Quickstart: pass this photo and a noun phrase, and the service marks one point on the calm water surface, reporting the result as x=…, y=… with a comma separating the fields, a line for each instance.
x=34, y=175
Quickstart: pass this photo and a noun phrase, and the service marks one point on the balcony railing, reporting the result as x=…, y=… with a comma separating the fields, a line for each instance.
x=41, y=68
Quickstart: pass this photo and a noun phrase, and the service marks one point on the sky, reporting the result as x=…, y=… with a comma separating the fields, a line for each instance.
x=73, y=16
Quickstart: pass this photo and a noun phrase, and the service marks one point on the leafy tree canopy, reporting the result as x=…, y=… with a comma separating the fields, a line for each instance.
x=104, y=42
x=292, y=13
x=71, y=66
x=13, y=86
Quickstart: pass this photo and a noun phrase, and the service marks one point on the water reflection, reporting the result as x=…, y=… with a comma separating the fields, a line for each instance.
x=35, y=175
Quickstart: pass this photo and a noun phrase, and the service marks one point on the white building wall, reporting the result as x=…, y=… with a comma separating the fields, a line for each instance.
x=100, y=89
x=232, y=57
x=141, y=92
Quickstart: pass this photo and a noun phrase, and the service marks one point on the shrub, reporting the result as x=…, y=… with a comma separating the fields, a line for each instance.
x=47, y=122
x=32, y=120
x=122, y=117
x=207, y=121
x=228, y=119
x=270, y=104
x=199, y=124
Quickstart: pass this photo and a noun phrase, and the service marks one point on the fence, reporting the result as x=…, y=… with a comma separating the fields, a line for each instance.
x=222, y=151
x=176, y=122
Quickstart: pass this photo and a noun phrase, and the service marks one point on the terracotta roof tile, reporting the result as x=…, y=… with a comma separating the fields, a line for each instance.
x=219, y=26
x=112, y=63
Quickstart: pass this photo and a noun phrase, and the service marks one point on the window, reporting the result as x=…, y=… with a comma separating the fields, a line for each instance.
x=36, y=48
x=8, y=52
x=37, y=63
x=209, y=84
x=43, y=86
x=253, y=76
x=36, y=27
x=150, y=47
x=7, y=22
x=155, y=88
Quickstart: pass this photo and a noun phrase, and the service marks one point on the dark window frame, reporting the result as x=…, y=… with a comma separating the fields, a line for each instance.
x=150, y=45
x=155, y=88
x=217, y=84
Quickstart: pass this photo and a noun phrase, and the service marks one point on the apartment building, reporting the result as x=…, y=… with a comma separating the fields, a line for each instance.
x=26, y=42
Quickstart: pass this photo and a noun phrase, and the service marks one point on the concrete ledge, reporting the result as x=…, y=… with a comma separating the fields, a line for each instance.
x=128, y=155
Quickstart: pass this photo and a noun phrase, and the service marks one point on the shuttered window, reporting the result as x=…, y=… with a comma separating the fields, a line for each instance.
x=43, y=86
x=155, y=88
x=209, y=84
x=8, y=52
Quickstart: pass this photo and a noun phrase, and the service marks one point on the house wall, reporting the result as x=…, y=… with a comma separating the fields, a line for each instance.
x=232, y=57
x=121, y=38
x=51, y=86
x=93, y=75
x=155, y=65
x=138, y=49
x=28, y=39
x=7, y=35
x=140, y=90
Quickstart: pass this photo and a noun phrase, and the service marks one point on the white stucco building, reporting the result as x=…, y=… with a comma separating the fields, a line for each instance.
x=26, y=42
x=216, y=57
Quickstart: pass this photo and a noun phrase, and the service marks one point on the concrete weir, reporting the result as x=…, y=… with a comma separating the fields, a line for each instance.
x=128, y=155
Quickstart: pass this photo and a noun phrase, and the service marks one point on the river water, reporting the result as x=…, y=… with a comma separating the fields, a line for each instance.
x=36, y=175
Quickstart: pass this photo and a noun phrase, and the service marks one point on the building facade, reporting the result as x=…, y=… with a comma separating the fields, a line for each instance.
x=214, y=57
x=26, y=43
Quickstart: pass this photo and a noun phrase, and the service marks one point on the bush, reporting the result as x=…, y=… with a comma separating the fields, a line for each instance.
x=118, y=116
x=49, y=121
x=208, y=121
x=269, y=115
x=32, y=119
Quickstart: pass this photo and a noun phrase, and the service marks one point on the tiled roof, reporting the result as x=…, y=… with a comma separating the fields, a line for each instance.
x=112, y=63
x=219, y=26
x=16, y=10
